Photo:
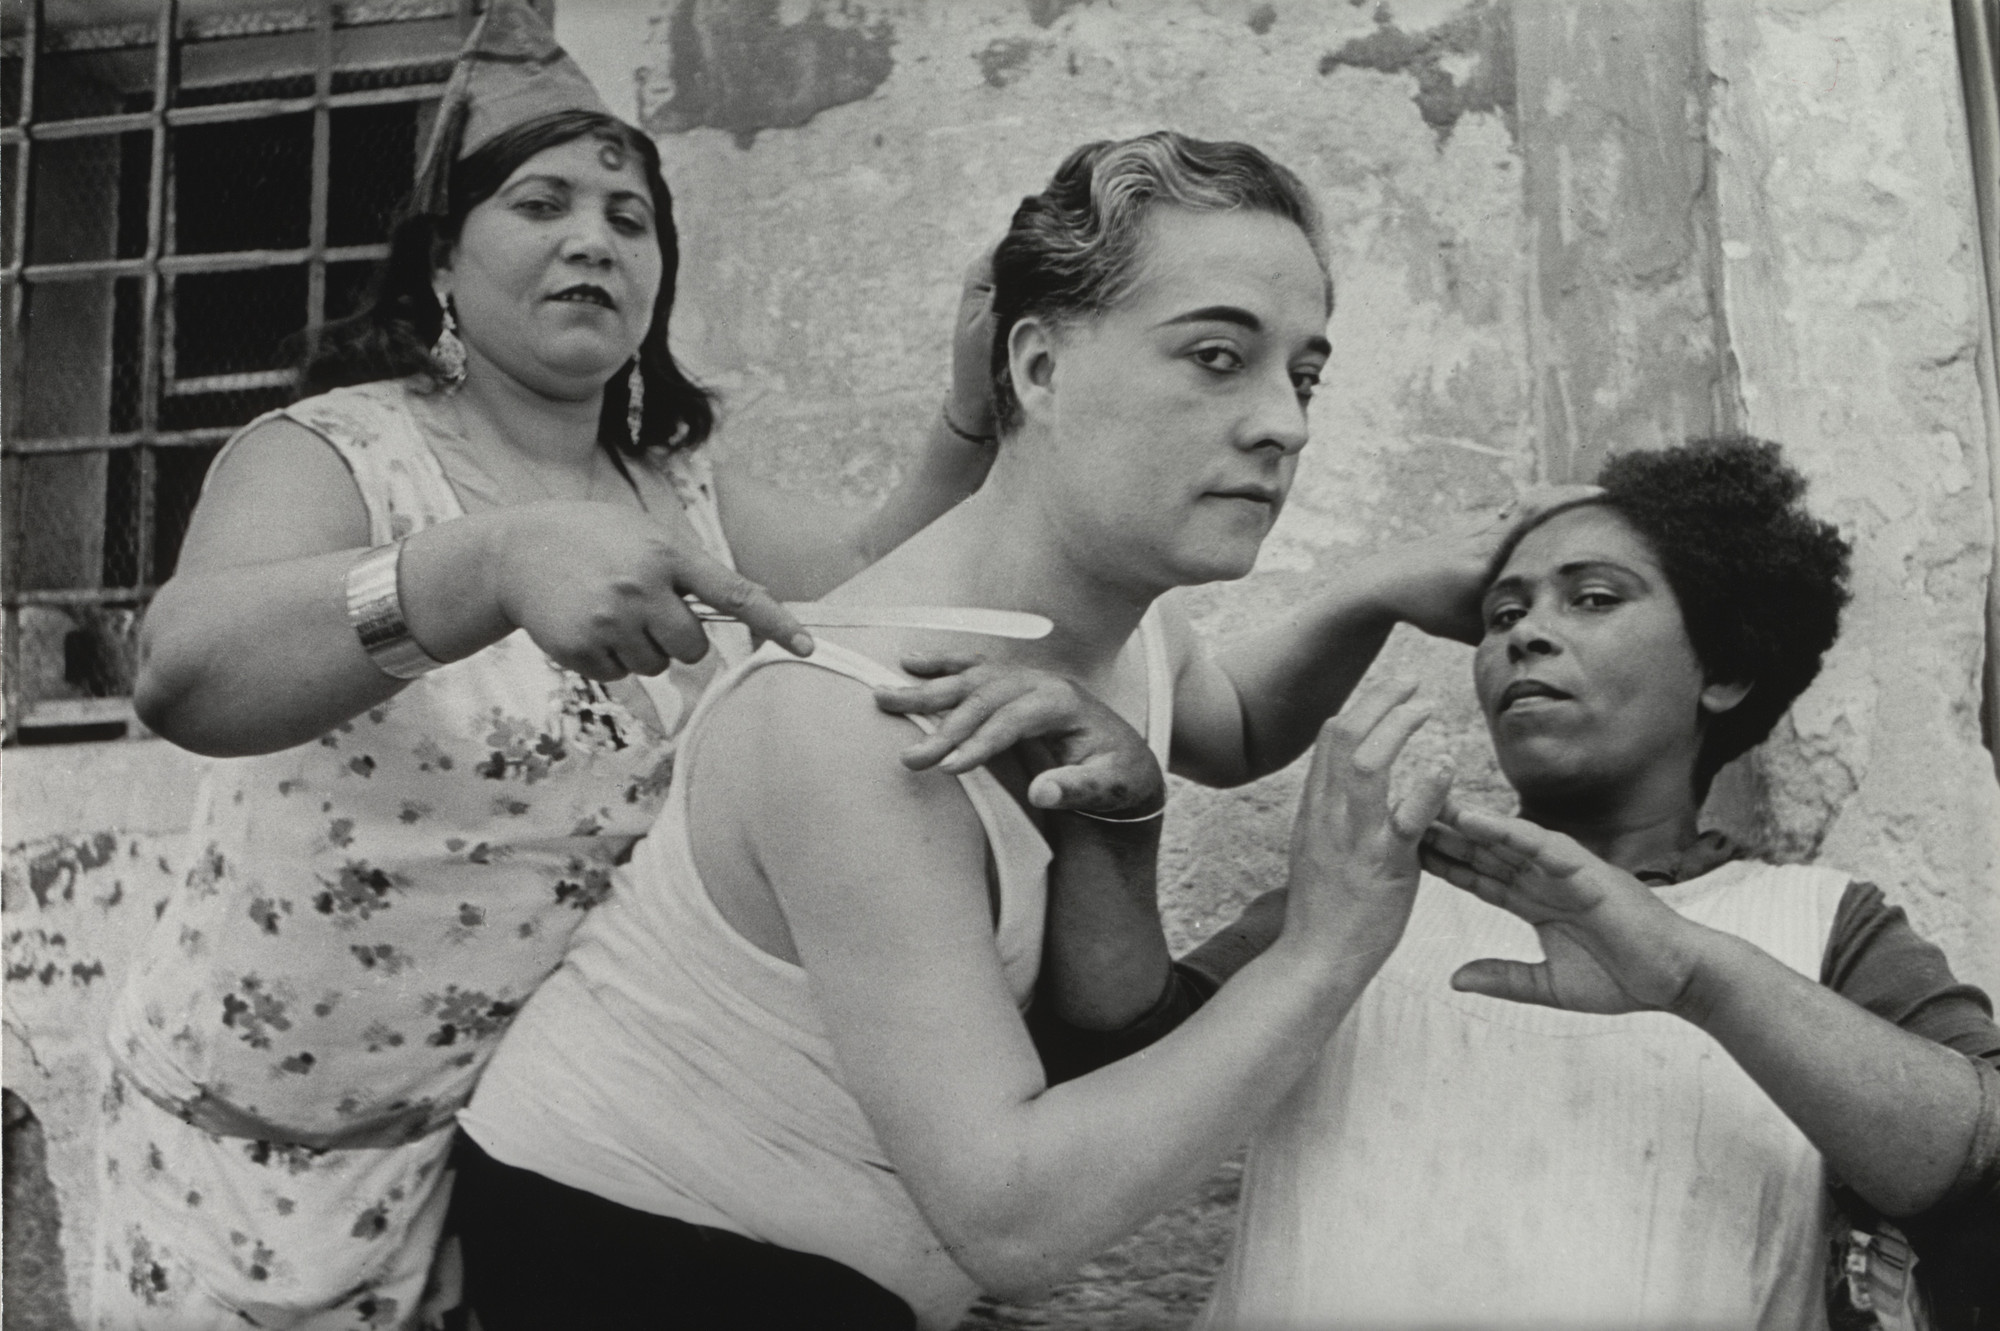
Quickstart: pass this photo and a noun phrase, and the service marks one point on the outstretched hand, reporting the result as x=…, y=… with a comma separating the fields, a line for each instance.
x=1353, y=871
x=1436, y=584
x=1085, y=756
x=1609, y=944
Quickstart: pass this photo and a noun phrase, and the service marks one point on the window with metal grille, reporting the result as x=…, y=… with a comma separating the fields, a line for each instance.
x=191, y=189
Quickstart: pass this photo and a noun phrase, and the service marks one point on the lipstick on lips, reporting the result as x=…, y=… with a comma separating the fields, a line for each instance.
x=586, y=293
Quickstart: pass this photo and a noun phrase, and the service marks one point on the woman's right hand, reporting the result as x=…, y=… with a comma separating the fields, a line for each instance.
x=600, y=589
x=1085, y=757
x=1354, y=848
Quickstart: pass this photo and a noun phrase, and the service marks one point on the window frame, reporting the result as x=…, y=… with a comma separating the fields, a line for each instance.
x=156, y=269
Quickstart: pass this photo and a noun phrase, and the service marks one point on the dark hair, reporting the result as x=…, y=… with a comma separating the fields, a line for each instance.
x=1760, y=581
x=392, y=337
x=1073, y=249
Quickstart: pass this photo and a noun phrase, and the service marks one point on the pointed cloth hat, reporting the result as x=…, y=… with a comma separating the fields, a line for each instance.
x=509, y=71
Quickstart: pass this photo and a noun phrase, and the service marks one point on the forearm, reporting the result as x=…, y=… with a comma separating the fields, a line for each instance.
x=1239, y=942
x=1291, y=677
x=1104, y=954
x=1893, y=1113
x=1088, y=1170
x=255, y=659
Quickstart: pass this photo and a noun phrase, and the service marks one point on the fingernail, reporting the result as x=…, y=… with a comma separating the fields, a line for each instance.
x=802, y=643
x=952, y=759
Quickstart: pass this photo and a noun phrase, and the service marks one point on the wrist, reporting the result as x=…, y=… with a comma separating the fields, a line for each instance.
x=451, y=576
x=498, y=535
x=1331, y=970
x=1710, y=963
x=375, y=612
x=1350, y=939
x=973, y=426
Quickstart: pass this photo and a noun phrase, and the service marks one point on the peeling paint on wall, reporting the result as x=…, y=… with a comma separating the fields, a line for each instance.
x=1003, y=58
x=736, y=65
x=1044, y=13
x=1447, y=88
x=34, y=1276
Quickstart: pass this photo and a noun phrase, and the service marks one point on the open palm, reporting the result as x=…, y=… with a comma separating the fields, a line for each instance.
x=1608, y=944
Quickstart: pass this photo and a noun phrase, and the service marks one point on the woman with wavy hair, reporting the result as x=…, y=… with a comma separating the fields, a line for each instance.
x=433, y=616
x=785, y=1078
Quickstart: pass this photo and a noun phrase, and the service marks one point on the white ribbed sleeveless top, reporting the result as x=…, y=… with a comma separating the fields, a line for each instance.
x=674, y=1067
x=1457, y=1160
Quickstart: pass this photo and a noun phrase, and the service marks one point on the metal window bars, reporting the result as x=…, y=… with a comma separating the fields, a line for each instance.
x=186, y=184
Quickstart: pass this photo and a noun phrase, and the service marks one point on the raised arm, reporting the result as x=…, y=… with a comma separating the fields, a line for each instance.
x=892, y=921
x=1107, y=986
x=248, y=649
x=1894, y=1114
x=1253, y=705
x=802, y=547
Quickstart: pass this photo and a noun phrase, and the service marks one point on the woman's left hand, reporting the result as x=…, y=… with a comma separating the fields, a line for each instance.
x=1436, y=584
x=1086, y=757
x=1610, y=945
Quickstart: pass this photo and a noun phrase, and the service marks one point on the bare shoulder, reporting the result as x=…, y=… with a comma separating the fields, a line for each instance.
x=796, y=741
x=797, y=771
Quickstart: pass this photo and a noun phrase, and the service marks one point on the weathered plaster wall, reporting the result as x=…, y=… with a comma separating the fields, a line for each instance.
x=1621, y=250
x=93, y=845
x=1851, y=283
x=1558, y=228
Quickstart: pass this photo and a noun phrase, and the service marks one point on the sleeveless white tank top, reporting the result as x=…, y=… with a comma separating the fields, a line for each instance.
x=1457, y=1160
x=674, y=1067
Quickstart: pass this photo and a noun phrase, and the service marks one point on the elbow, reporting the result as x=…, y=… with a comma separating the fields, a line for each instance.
x=156, y=699
x=1013, y=1268
x=1903, y=1201
x=164, y=711
x=152, y=705
x=164, y=700
x=1012, y=1249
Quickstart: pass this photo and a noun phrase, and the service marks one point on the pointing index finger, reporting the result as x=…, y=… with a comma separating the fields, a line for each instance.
x=732, y=594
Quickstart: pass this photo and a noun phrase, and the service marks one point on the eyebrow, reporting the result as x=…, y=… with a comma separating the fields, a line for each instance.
x=1242, y=318
x=1515, y=582
x=568, y=185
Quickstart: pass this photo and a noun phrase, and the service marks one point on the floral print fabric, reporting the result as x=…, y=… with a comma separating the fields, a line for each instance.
x=368, y=911
x=199, y=1231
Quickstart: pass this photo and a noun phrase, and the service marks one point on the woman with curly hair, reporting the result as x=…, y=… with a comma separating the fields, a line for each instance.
x=1637, y=1128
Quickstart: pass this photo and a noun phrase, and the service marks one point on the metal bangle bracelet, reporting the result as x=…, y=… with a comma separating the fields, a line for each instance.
x=983, y=440
x=375, y=609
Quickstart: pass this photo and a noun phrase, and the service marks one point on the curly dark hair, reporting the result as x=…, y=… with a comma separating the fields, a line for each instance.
x=1073, y=249
x=1760, y=581
x=392, y=336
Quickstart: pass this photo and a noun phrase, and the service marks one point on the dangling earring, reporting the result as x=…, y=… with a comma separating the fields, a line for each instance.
x=635, y=403
x=448, y=353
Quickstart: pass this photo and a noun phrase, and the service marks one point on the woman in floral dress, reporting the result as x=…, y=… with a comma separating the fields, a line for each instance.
x=428, y=617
